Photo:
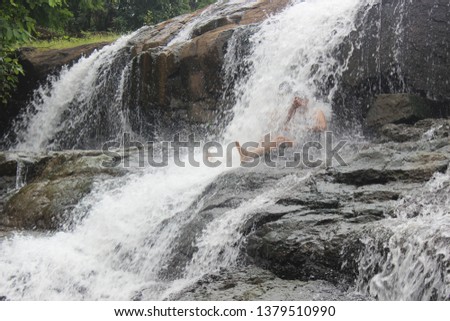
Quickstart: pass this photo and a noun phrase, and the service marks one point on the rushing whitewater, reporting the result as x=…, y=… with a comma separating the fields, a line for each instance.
x=129, y=231
x=67, y=110
x=418, y=238
x=130, y=225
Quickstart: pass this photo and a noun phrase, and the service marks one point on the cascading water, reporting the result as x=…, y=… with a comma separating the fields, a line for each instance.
x=410, y=253
x=293, y=50
x=66, y=112
x=128, y=230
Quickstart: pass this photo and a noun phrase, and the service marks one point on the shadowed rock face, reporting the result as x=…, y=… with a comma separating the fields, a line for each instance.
x=401, y=47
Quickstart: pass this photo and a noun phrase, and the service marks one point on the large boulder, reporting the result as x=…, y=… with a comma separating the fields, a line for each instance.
x=398, y=108
x=181, y=82
x=399, y=47
x=55, y=184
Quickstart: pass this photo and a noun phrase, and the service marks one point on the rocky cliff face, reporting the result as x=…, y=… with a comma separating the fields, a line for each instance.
x=390, y=53
x=400, y=47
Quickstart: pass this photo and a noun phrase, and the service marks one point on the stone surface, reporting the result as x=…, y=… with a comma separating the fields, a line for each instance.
x=427, y=129
x=54, y=185
x=180, y=84
x=398, y=108
x=380, y=166
x=399, y=47
x=256, y=284
x=314, y=231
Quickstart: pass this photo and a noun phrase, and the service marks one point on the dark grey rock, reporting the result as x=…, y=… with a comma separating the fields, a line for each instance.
x=255, y=284
x=399, y=46
x=380, y=165
x=398, y=108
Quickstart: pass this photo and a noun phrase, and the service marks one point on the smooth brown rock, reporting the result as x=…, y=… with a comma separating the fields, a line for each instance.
x=39, y=63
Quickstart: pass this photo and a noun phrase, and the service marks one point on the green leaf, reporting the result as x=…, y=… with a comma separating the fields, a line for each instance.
x=9, y=34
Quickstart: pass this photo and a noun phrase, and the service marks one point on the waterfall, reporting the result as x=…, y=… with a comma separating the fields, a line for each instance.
x=129, y=229
x=81, y=106
x=292, y=52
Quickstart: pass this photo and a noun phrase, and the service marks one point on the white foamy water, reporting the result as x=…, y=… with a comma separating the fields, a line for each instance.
x=294, y=50
x=73, y=101
x=116, y=251
x=128, y=229
x=413, y=260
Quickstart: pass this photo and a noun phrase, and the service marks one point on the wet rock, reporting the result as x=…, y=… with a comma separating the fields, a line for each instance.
x=317, y=232
x=56, y=184
x=398, y=108
x=38, y=64
x=306, y=245
x=427, y=129
x=181, y=84
x=379, y=165
x=255, y=284
x=390, y=53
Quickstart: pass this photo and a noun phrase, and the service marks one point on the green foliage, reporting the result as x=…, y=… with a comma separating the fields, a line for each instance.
x=125, y=15
x=10, y=69
x=19, y=20
x=70, y=42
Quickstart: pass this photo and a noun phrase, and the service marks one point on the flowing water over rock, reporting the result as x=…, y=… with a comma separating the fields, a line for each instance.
x=185, y=232
x=413, y=263
x=66, y=111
